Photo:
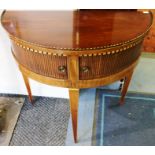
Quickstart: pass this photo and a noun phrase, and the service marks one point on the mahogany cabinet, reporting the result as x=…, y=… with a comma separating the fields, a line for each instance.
x=77, y=49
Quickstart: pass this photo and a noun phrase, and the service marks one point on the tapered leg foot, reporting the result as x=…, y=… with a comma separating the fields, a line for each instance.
x=125, y=87
x=74, y=98
x=27, y=84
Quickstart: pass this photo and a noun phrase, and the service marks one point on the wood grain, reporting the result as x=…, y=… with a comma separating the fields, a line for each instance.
x=74, y=98
x=27, y=84
x=106, y=65
x=127, y=80
x=77, y=28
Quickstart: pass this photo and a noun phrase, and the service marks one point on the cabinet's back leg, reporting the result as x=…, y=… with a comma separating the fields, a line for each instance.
x=125, y=87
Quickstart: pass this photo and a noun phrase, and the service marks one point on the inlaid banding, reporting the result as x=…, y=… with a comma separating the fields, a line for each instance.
x=107, y=51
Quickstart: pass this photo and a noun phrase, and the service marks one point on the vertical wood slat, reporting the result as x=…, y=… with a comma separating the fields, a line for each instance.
x=73, y=67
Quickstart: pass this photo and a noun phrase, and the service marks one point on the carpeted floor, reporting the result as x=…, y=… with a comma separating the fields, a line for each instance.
x=132, y=124
x=45, y=123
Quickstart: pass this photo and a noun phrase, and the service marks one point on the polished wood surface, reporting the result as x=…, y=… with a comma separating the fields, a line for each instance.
x=73, y=29
x=77, y=49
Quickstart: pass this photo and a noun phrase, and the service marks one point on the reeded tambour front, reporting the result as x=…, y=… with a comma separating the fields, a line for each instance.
x=53, y=66
x=107, y=64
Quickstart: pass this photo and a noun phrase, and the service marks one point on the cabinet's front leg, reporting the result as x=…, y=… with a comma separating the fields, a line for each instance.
x=74, y=99
x=27, y=84
x=125, y=87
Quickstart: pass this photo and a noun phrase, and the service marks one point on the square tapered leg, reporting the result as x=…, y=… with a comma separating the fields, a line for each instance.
x=74, y=99
x=125, y=87
x=27, y=84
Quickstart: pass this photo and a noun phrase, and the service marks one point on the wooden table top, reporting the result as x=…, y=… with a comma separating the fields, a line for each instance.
x=77, y=29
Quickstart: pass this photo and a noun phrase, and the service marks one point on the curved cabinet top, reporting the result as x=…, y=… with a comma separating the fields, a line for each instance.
x=77, y=29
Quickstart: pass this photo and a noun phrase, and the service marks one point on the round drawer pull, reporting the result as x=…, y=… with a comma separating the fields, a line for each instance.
x=85, y=69
x=62, y=69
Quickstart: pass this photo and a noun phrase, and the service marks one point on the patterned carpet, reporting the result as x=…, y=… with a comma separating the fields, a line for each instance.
x=132, y=124
x=43, y=124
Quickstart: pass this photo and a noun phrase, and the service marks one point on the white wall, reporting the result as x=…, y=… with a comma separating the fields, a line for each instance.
x=11, y=81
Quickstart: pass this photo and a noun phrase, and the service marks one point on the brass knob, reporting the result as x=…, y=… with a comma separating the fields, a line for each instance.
x=62, y=69
x=85, y=69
